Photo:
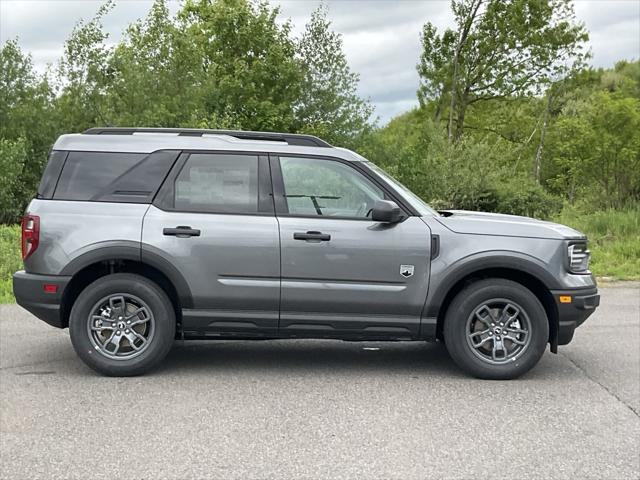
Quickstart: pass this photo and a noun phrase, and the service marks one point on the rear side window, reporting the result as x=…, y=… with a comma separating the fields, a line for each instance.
x=113, y=177
x=217, y=183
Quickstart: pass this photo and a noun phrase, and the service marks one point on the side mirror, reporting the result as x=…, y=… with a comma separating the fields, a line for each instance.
x=386, y=212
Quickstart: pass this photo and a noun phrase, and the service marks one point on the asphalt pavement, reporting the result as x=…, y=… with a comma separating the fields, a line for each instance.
x=323, y=409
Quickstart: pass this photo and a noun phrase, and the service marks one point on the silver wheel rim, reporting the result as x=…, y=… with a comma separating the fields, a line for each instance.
x=498, y=331
x=121, y=326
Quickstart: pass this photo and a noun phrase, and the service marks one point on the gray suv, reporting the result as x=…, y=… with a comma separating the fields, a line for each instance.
x=139, y=236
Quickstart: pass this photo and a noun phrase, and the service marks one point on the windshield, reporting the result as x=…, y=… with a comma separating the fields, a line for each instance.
x=415, y=201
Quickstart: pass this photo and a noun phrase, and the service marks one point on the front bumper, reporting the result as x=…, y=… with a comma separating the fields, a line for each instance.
x=574, y=307
x=30, y=293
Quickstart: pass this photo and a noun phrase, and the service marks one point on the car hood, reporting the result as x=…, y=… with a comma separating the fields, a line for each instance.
x=481, y=223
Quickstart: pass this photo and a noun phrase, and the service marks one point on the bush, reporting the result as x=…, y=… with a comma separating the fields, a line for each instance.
x=13, y=155
x=10, y=260
x=468, y=175
x=614, y=239
x=528, y=199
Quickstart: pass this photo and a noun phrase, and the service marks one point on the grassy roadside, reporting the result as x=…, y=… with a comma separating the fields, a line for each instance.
x=10, y=260
x=614, y=240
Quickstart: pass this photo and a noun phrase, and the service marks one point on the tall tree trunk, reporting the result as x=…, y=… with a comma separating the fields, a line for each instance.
x=545, y=122
x=438, y=112
x=454, y=89
x=462, y=38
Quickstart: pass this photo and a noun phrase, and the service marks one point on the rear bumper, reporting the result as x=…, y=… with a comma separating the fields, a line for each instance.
x=29, y=290
x=573, y=313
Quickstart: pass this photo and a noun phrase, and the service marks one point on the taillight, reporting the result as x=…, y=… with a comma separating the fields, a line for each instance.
x=30, y=235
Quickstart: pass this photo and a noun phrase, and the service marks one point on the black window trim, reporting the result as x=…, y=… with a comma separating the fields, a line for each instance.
x=280, y=202
x=265, y=189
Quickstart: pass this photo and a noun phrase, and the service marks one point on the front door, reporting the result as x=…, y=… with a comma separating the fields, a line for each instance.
x=213, y=221
x=343, y=274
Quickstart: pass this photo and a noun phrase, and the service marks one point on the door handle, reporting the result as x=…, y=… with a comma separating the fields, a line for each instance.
x=181, y=232
x=319, y=236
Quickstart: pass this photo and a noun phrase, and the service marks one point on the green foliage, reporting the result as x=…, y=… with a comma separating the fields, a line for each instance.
x=13, y=157
x=27, y=129
x=532, y=127
x=82, y=75
x=329, y=105
x=10, y=260
x=154, y=73
x=594, y=150
x=247, y=60
x=500, y=48
x=216, y=64
x=468, y=175
x=614, y=239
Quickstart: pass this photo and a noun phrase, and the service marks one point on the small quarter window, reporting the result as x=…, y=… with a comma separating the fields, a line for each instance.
x=51, y=173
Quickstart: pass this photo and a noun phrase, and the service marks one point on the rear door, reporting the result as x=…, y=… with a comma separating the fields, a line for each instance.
x=342, y=273
x=213, y=221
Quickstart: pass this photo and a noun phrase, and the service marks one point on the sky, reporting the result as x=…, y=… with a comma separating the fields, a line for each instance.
x=381, y=37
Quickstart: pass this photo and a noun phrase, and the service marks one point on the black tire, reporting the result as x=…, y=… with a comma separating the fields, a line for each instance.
x=462, y=311
x=162, y=315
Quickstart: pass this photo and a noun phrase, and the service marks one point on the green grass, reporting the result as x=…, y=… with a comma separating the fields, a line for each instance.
x=10, y=260
x=614, y=240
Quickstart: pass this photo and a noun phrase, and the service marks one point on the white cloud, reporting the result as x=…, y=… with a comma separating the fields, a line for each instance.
x=381, y=38
x=614, y=27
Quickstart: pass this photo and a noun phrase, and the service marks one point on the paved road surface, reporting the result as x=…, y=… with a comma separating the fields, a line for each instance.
x=311, y=409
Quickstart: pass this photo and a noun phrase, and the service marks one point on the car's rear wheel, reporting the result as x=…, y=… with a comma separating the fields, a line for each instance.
x=122, y=325
x=496, y=329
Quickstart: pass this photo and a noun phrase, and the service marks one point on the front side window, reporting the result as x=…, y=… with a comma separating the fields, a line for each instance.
x=217, y=183
x=327, y=188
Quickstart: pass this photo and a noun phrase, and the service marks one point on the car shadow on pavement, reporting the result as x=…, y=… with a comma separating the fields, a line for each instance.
x=309, y=355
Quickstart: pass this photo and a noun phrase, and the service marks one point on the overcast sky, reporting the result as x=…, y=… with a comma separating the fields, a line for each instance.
x=381, y=37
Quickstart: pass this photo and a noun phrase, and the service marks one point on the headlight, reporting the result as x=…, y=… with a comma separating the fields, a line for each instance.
x=579, y=258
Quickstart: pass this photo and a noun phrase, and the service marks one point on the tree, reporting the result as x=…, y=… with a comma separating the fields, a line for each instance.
x=250, y=76
x=25, y=98
x=502, y=49
x=84, y=76
x=13, y=155
x=595, y=149
x=329, y=103
x=156, y=76
x=27, y=128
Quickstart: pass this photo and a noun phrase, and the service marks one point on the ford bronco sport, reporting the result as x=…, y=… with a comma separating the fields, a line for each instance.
x=141, y=236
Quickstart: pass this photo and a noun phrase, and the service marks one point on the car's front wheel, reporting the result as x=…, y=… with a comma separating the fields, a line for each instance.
x=496, y=329
x=122, y=325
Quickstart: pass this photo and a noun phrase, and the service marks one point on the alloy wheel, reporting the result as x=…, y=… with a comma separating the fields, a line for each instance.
x=121, y=326
x=498, y=331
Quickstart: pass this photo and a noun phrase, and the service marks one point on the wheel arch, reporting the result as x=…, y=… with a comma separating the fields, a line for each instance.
x=124, y=259
x=519, y=269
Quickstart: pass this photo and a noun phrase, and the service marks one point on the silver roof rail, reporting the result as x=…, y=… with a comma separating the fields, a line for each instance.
x=289, y=138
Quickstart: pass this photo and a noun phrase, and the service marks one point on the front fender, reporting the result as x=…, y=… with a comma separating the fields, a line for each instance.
x=453, y=273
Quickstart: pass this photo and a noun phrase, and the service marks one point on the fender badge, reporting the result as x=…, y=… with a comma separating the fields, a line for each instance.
x=406, y=270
